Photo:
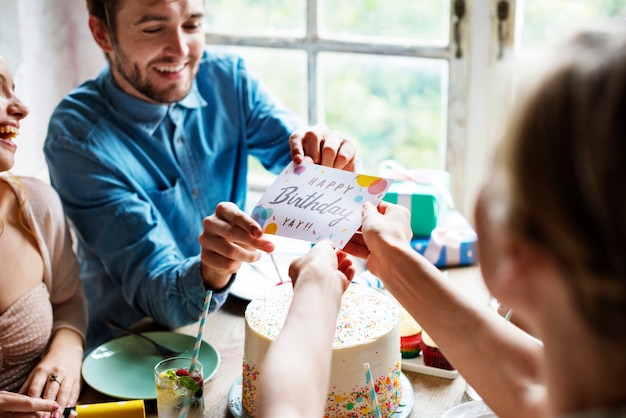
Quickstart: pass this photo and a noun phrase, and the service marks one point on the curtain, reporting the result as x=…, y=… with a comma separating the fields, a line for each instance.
x=50, y=51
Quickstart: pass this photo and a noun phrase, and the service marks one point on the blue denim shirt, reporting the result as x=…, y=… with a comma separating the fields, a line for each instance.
x=137, y=179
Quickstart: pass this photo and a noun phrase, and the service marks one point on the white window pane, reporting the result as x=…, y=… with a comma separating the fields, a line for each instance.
x=542, y=21
x=394, y=107
x=415, y=22
x=256, y=17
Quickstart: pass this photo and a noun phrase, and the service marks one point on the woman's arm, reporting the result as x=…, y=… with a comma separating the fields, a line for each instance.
x=296, y=370
x=64, y=354
x=499, y=360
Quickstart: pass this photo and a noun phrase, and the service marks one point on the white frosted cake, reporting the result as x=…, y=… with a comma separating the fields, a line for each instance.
x=367, y=332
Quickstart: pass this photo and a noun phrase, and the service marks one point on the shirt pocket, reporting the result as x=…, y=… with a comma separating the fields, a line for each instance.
x=177, y=211
x=164, y=196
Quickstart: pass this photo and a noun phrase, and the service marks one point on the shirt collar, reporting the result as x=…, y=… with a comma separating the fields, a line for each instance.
x=145, y=115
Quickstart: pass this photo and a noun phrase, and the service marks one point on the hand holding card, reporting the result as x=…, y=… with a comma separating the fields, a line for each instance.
x=312, y=202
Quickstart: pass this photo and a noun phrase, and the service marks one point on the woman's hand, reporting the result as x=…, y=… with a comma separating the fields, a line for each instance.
x=383, y=228
x=14, y=405
x=323, y=263
x=57, y=377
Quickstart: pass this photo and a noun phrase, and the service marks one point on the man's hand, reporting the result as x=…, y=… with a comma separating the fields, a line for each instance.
x=230, y=237
x=319, y=145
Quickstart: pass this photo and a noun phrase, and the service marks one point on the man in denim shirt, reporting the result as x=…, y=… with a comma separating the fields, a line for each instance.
x=160, y=139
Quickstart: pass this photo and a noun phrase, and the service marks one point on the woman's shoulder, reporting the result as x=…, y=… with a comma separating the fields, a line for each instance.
x=39, y=189
x=39, y=195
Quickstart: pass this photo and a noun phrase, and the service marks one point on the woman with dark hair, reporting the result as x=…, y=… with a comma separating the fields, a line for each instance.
x=551, y=225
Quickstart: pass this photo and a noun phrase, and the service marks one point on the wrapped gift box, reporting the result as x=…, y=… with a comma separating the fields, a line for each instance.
x=424, y=192
x=421, y=200
x=424, y=200
x=451, y=243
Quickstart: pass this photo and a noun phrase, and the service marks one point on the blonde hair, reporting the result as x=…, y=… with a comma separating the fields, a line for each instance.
x=564, y=164
x=20, y=214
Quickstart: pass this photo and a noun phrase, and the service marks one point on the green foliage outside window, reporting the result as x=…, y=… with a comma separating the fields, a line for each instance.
x=393, y=107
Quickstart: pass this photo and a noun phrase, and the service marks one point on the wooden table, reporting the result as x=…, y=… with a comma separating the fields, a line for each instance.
x=224, y=330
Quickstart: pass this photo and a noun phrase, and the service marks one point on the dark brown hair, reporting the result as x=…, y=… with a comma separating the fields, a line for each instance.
x=105, y=10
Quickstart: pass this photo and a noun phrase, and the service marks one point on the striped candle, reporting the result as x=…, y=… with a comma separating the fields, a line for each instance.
x=508, y=315
x=196, y=348
x=370, y=383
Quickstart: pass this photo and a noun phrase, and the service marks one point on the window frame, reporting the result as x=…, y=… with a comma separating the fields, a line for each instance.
x=478, y=28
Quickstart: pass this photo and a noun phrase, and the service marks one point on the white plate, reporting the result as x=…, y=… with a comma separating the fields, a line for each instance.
x=254, y=279
x=475, y=409
x=417, y=365
x=403, y=411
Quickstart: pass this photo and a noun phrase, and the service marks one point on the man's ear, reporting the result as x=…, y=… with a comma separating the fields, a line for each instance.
x=100, y=33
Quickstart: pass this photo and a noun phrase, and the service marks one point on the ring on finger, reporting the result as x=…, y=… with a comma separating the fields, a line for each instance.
x=54, y=378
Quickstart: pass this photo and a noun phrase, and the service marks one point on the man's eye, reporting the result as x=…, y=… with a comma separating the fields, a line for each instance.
x=193, y=26
x=152, y=30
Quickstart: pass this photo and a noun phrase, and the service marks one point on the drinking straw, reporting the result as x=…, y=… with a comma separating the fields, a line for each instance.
x=196, y=348
x=373, y=398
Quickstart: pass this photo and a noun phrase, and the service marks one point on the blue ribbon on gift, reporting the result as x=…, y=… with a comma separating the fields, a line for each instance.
x=451, y=234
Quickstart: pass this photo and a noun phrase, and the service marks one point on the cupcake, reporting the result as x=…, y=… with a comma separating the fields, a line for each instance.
x=433, y=357
x=410, y=335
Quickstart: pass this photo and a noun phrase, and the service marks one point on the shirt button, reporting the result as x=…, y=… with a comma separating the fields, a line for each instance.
x=180, y=140
x=195, y=192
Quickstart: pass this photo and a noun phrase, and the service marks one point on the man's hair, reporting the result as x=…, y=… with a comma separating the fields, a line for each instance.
x=105, y=10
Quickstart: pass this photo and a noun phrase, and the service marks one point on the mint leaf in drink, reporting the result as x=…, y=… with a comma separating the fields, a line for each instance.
x=189, y=383
x=182, y=376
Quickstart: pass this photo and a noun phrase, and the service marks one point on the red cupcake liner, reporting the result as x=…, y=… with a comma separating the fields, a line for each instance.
x=433, y=357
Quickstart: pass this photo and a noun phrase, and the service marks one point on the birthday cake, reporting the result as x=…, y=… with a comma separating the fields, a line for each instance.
x=367, y=333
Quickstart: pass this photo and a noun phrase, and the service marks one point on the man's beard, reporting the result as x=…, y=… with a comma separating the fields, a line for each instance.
x=132, y=74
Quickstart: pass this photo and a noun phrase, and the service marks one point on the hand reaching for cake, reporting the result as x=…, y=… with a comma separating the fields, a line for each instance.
x=322, y=262
x=289, y=386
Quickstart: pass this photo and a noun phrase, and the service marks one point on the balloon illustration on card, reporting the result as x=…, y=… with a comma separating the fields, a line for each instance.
x=312, y=202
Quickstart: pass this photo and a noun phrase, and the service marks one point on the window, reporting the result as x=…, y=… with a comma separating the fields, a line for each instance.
x=389, y=74
x=540, y=21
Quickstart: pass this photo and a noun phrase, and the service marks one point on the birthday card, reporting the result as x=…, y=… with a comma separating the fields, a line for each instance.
x=312, y=202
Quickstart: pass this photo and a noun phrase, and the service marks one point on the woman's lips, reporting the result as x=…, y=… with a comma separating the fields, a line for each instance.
x=8, y=143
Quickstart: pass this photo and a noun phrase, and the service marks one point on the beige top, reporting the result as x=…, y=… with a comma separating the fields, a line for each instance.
x=25, y=329
x=26, y=326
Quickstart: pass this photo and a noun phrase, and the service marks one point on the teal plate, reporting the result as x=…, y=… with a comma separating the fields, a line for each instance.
x=124, y=368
